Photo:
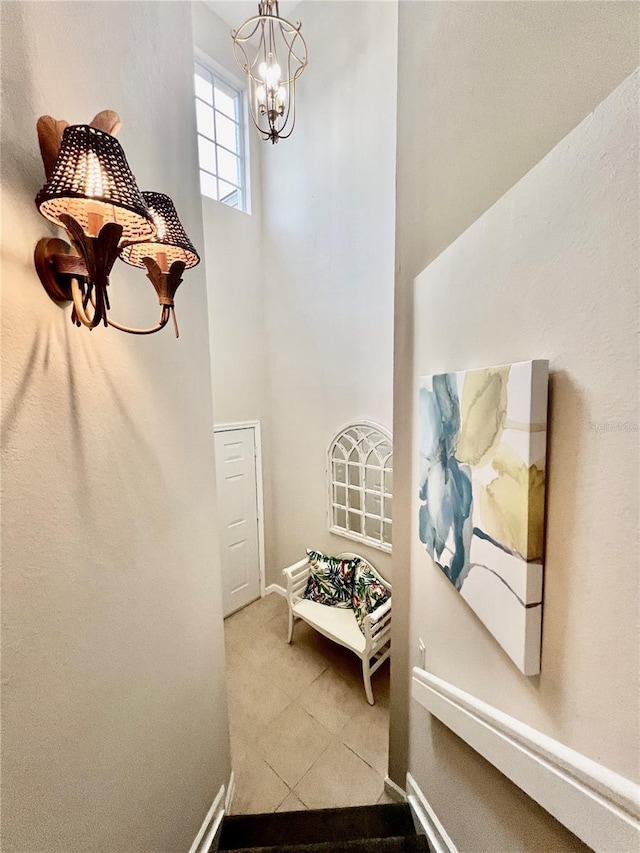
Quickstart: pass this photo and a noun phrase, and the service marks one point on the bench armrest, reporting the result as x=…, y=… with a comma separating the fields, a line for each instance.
x=380, y=612
x=377, y=627
x=296, y=577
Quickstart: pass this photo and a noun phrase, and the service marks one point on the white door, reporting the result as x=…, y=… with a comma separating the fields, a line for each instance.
x=238, y=513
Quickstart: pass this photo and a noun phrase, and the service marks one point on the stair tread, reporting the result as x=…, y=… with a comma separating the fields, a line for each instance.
x=391, y=820
x=392, y=844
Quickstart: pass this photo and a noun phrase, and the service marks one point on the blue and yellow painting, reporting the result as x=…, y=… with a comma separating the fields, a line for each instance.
x=482, y=438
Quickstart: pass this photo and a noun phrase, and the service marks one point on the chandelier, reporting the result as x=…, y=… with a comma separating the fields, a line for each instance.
x=273, y=54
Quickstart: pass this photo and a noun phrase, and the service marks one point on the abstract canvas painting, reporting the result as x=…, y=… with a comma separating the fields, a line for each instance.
x=482, y=440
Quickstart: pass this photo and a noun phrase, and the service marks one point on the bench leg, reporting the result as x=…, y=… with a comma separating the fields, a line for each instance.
x=290, y=625
x=366, y=675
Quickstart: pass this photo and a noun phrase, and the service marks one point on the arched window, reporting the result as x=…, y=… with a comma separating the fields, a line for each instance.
x=360, y=474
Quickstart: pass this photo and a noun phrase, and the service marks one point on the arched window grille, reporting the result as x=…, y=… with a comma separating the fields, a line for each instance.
x=360, y=473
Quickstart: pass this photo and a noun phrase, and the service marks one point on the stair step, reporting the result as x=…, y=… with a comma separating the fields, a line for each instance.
x=392, y=820
x=397, y=844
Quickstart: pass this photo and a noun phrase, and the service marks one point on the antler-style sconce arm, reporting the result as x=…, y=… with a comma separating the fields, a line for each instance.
x=65, y=278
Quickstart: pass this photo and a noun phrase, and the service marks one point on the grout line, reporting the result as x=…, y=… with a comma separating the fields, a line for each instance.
x=304, y=776
x=290, y=789
x=364, y=760
x=321, y=656
x=300, y=798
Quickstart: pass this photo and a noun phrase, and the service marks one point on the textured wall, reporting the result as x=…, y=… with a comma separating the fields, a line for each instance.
x=328, y=250
x=235, y=273
x=115, y=733
x=551, y=270
x=570, y=226
x=485, y=90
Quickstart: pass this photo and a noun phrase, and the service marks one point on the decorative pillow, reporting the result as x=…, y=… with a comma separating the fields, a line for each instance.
x=369, y=593
x=330, y=580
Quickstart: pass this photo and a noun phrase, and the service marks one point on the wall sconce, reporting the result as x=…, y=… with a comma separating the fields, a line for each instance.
x=92, y=194
x=272, y=92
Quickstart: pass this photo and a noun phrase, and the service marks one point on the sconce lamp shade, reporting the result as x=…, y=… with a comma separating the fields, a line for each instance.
x=171, y=242
x=92, y=182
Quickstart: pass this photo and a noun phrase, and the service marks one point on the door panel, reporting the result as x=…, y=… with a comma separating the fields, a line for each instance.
x=238, y=514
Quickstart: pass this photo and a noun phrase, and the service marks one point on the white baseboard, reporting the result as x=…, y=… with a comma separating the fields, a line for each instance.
x=595, y=803
x=210, y=825
x=394, y=791
x=275, y=587
x=231, y=790
x=436, y=833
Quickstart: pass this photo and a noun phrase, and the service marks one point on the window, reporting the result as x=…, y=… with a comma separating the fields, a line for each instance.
x=361, y=484
x=220, y=124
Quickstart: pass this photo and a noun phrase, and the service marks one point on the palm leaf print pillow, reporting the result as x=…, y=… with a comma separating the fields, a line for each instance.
x=369, y=592
x=330, y=580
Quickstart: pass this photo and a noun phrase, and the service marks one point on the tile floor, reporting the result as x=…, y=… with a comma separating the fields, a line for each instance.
x=302, y=733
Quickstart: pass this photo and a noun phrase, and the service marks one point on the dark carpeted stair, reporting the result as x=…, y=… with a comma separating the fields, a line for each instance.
x=363, y=829
x=403, y=844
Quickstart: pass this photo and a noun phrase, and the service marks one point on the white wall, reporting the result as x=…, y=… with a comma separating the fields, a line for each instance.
x=550, y=271
x=235, y=274
x=328, y=250
x=115, y=733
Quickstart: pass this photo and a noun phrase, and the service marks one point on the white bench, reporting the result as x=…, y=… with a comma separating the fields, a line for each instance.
x=339, y=624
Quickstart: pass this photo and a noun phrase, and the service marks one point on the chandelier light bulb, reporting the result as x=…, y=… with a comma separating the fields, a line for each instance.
x=273, y=76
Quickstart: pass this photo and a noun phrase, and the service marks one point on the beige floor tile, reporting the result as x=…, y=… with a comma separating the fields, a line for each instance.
x=367, y=734
x=258, y=788
x=380, y=685
x=244, y=733
x=307, y=637
x=339, y=779
x=385, y=799
x=332, y=700
x=268, y=607
x=249, y=622
x=233, y=658
x=291, y=804
x=266, y=641
x=276, y=740
x=253, y=696
x=239, y=624
x=345, y=663
x=292, y=742
x=242, y=677
x=296, y=668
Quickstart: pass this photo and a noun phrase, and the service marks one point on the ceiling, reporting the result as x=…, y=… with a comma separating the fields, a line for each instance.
x=234, y=12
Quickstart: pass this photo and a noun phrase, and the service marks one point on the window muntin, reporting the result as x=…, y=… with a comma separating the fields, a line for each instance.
x=220, y=127
x=360, y=473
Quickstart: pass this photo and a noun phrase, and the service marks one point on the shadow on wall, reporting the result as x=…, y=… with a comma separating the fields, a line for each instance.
x=55, y=366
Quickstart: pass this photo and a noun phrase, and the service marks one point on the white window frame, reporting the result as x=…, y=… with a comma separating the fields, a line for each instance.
x=353, y=446
x=239, y=86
